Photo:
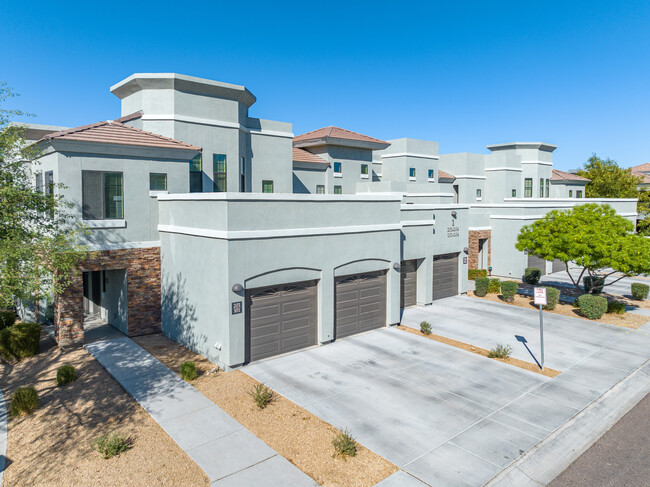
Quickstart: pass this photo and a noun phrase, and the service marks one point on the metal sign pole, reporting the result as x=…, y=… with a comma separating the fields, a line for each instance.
x=541, y=332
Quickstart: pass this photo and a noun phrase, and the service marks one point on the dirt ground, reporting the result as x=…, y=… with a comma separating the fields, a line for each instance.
x=522, y=364
x=627, y=320
x=299, y=436
x=52, y=447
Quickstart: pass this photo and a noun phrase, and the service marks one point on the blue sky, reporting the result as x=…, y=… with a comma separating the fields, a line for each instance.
x=466, y=74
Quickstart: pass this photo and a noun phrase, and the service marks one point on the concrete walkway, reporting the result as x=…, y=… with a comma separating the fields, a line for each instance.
x=3, y=435
x=226, y=451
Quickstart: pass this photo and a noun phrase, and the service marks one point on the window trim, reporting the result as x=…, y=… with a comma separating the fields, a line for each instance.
x=338, y=174
x=215, y=173
x=541, y=187
x=264, y=182
x=514, y=192
x=338, y=189
x=528, y=191
x=579, y=193
x=318, y=187
x=157, y=174
x=102, y=197
x=479, y=194
x=570, y=193
x=199, y=172
x=548, y=188
x=412, y=174
x=364, y=175
x=431, y=176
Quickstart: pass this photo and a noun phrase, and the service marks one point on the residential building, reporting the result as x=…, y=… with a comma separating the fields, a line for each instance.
x=642, y=171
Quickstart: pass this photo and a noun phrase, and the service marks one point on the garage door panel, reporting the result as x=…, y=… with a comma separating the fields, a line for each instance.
x=408, y=283
x=535, y=261
x=445, y=276
x=360, y=303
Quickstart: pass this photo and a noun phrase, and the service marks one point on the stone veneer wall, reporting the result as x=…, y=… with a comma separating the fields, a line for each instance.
x=143, y=293
x=474, y=237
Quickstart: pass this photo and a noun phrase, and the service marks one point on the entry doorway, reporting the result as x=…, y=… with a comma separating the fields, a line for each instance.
x=105, y=303
x=92, y=293
x=483, y=253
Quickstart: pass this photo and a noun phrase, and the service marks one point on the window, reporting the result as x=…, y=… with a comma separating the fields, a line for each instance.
x=196, y=174
x=320, y=189
x=570, y=193
x=102, y=195
x=267, y=186
x=49, y=183
x=337, y=169
x=412, y=174
x=478, y=194
x=39, y=182
x=219, y=172
x=242, y=175
x=431, y=175
x=578, y=194
x=514, y=193
x=541, y=188
x=337, y=190
x=548, y=188
x=528, y=188
x=364, y=171
x=157, y=181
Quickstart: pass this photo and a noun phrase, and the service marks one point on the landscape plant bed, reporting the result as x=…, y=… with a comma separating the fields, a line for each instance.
x=53, y=445
x=295, y=433
x=522, y=364
x=627, y=320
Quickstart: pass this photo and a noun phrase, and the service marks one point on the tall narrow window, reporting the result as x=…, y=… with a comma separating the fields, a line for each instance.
x=49, y=183
x=364, y=171
x=337, y=190
x=102, y=195
x=570, y=193
x=412, y=174
x=157, y=181
x=320, y=189
x=196, y=174
x=478, y=195
x=338, y=170
x=242, y=175
x=548, y=188
x=528, y=188
x=431, y=176
x=514, y=193
x=541, y=188
x=39, y=182
x=219, y=172
x=267, y=186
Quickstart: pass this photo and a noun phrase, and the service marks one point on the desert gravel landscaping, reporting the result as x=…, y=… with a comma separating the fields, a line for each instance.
x=295, y=433
x=52, y=447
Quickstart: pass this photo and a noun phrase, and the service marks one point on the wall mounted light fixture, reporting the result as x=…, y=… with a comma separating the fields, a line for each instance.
x=237, y=288
x=453, y=213
x=466, y=250
x=396, y=266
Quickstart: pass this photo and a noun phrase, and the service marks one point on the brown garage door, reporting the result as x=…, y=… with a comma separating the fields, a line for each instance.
x=360, y=303
x=281, y=319
x=558, y=266
x=408, y=283
x=445, y=276
x=534, y=261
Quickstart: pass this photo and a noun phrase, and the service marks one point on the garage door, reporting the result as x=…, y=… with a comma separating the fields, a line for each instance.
x=445, y=276
x=360, y=303
x=408, y=283
x=534, y=261
x=281, y=319
x=558, y=266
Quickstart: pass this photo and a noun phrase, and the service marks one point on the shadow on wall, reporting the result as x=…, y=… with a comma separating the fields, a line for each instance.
x=178, y=315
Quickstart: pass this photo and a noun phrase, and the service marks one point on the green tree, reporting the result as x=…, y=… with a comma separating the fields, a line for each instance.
x=643, y=210
x=608, y=180
x=592, y=236
x=38, y=235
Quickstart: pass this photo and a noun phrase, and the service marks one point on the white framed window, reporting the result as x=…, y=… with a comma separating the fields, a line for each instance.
x=320, y=189
x=364, y=171
x=338, y=170
x=412, y=174
x=479, y=196
x=570, y=193
x=431, y=176
x=578, y=194
x=338, y=190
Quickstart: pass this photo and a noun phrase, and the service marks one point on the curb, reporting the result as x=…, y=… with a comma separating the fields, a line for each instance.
x=551, y=456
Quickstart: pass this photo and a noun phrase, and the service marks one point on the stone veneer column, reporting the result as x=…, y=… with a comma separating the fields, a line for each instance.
x=474, y=237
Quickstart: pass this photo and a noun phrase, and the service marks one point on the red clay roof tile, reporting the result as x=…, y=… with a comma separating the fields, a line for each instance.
x=337, y=133
x=566, y=176
x=444, y=175
x=302, y=155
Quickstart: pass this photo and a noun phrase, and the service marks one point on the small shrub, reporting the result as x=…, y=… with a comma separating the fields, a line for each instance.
x=425, y=327
x=481, y=286
x=616, y=307
x=500, y=351
x=593, y=285
x=640, y=291
x=552, y=297
x=7, y=318
x=24, y=401
x=532, y=275
x=509, y=290
x=109, y=445
x=494, y=286
x=65, y=374
x=592, y=307
x=474, y=273
x=188, y=371
x=344, y=445
x=262, y=395
x=20, y=341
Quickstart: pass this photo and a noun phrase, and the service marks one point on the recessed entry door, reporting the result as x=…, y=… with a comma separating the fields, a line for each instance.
x=408, y=283
x=540, y=263
x=360, y=303
x=445, y=276
x=281, y=319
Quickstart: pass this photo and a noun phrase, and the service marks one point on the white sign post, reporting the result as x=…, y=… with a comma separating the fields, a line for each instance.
x=540, y=299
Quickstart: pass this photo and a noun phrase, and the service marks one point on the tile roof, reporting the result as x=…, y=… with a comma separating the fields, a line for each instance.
x=641, y=168
x=566, y=176
x=337, y=133
x=302, y=155
x=115, y=132
x=645, y=178
x=444, y=175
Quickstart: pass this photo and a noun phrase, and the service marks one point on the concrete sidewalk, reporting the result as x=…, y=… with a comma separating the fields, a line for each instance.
x=226, y=451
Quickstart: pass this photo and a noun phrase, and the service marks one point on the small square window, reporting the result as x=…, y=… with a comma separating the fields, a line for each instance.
x=320, y=189
x=157, y=181
x=337, y=168
x=337, y=190
x=431, y=175
x=267, y=186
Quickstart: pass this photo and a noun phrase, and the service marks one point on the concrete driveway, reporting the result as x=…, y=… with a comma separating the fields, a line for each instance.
x=443, y=415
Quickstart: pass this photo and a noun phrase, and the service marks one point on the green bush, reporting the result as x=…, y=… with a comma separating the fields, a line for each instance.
x=552, y=297
x=494, y=286
x=481, y=286
x=344, y=445
x=65, y=374
x=532, y=275
x=262, y=395
x=188, y=371
x=616, y=307
x=109, y=445
x=24, y=401
x=509, y=290
x=593, y=285
x=500, y=351
x=20, y=341
x=592, y=307
x=640, y=291
x=425, y=327
x=7, y=318
x=474, y=273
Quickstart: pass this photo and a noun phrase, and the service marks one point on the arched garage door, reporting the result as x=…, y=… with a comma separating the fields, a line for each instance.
x=360, y=303
x=281, y=319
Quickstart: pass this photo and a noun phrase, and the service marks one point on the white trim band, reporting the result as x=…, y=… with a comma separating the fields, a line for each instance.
x=418, y=223
x=467, y=176
x=541, y=163
x=125, y=245
x=411, y=154
x=478, y=229
x=99, y=224
x=514, y=169
x=278, y=197
x=215, y=123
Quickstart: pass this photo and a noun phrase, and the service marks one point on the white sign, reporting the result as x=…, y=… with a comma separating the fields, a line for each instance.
x=540, y=295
